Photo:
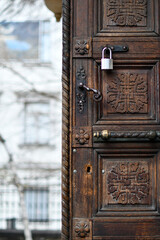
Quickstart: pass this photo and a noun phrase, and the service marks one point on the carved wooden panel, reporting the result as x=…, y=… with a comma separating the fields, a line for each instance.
x=130, y=16
x=127, y=182
x=126, y=12
x=129, y=94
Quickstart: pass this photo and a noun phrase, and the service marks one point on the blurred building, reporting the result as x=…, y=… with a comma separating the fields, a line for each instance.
x=30, y=113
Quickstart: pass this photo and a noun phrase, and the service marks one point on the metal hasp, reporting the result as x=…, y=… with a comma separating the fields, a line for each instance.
x=118, y=48
x=107, y=63
x=97, y=96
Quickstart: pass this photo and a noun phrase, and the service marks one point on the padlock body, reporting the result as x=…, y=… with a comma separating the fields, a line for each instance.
x=106, y=64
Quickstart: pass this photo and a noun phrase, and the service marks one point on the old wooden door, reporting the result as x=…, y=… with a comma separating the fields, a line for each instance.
x=115, y=142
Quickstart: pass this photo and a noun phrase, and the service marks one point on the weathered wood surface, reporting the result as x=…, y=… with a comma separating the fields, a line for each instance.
x=111, y=189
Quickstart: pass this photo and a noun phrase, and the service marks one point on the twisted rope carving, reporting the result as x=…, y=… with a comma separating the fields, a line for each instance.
x=140, y=134
x=65, y=119
x=105, y=134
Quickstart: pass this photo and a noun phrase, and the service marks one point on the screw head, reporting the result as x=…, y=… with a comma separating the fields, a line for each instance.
x=74, y=171
x=74, y=150
x=103, y=171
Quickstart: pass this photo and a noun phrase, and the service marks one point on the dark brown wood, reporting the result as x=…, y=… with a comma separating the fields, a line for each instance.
x=114, y=190
x=65, y=119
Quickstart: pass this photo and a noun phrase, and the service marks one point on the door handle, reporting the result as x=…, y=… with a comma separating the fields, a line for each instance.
x=97, y=95
x=106, y=135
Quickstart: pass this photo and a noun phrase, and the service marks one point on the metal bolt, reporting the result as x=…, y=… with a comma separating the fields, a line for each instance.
x=103, y=171
x=124, y=47
x=74, y=171
x=74, y=150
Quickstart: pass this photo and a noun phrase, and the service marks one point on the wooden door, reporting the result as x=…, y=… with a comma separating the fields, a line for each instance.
x=115, y=142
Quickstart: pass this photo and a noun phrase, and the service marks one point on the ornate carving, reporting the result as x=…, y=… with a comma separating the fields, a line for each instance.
x=82, y=137
x=80, y=75
x=65, y=124
x=128, y=183
x=82, y=47
x=81, y=95
x=127, y=12
x=82, y=229
x=128, y=93
x=81, y=100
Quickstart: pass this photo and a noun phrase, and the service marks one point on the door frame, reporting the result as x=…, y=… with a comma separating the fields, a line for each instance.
x=65, y=119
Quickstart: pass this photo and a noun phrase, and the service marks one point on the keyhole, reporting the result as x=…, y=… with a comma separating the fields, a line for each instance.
x=89, y=169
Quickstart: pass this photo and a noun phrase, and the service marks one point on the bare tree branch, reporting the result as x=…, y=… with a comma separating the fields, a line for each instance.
x=2, y=140
x=33, y=89
x=16, y=181
x=27, y=231
x=12, y=8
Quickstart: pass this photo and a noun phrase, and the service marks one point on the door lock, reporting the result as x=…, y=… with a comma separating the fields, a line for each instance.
x=97, y=96
x=107, y=63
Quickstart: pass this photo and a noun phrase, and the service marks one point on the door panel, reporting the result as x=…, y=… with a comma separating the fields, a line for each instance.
x=115, y=142
x=145, y=48
x=126, y=17
x=129, y=94
x=126, y=182
x=126, y=229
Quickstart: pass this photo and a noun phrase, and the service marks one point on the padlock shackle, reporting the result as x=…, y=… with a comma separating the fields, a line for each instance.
x=110, y=52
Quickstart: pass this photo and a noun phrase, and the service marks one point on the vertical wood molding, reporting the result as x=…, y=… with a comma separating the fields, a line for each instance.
x=65, y=118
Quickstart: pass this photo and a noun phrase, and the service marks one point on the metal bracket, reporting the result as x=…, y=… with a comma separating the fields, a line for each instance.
x=117, y=48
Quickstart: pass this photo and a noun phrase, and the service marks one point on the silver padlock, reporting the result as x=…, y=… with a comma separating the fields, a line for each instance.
x=107, y=63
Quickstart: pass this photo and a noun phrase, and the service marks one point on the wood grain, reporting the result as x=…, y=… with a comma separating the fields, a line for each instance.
x=114, y=183
x=65, y=119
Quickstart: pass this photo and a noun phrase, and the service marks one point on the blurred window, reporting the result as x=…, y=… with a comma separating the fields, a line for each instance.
x=37, y=204
x=37, y=123
x=27, y=41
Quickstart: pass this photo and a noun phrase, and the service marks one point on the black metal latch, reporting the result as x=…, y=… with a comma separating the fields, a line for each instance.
x=117, y=48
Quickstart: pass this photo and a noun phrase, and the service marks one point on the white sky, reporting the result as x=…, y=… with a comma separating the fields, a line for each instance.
x=26, y=13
